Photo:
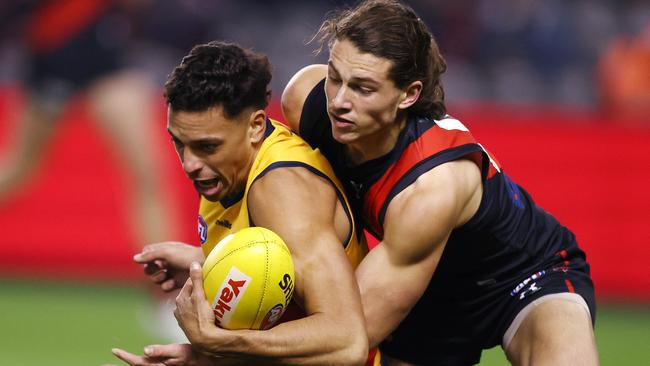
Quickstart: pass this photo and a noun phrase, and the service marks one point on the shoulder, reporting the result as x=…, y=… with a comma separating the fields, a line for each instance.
x=292, y=200
x=297, y=90
x=290, y=186
x=446, y=188
x=439, y=201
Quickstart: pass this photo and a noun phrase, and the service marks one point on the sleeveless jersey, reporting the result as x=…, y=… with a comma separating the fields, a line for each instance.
x=508, y=238
x=280, y=149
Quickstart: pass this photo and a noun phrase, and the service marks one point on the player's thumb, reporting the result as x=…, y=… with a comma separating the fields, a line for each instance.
x=196, y=274
x=157, y=350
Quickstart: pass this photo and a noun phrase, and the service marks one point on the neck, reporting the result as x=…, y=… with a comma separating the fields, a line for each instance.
x=376, y=145
x=248, y=167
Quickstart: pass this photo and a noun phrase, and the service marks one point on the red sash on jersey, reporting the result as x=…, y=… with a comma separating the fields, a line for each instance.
x=434, y=147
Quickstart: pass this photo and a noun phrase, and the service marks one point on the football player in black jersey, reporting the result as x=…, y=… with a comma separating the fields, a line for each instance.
x=466, y=259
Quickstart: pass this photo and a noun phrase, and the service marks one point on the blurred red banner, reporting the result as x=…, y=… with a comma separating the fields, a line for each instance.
x=589, y=170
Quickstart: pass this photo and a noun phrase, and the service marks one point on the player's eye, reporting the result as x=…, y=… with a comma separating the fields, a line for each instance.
x=208, y=148
x=361, y=89
x=333, y=79
x=365, y=90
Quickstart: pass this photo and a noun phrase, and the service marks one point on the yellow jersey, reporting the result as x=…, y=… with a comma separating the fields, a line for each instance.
x=281, y=148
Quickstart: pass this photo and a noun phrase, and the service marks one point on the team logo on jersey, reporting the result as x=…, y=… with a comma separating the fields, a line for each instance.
x=225, y=223
x=203, y=230
x=358, y=188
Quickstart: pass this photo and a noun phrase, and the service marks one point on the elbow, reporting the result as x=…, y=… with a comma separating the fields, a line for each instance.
x=373, y=342
x=361, y=354
x=375, y=333
x=356, y=352
x=350, y=347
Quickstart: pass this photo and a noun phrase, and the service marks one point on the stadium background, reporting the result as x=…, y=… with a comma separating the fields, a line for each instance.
x=529, y=79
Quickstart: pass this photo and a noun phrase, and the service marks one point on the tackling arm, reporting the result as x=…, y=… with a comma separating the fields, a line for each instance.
x=418, y=222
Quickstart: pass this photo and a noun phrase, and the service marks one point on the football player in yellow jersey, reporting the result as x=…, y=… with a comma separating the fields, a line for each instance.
x=249, y=171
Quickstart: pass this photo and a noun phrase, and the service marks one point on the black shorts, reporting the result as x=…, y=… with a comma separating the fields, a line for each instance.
x=93, y=52
x=452, y=333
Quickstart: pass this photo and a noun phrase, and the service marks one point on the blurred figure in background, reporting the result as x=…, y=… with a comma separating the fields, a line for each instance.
x=78, y=47
x=624, y=76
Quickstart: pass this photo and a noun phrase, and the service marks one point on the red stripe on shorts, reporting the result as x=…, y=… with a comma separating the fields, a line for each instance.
x=569, y=285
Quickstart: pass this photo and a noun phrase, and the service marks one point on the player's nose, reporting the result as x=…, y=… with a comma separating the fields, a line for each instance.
x=192, y=164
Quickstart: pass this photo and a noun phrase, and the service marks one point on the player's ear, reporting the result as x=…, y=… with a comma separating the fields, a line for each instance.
x=257, y=125
x=410, y=95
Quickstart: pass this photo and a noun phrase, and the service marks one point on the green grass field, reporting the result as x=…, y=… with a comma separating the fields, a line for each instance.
x=68, y=325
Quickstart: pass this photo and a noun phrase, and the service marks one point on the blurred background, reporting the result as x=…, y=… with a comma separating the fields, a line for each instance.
x=559, y=91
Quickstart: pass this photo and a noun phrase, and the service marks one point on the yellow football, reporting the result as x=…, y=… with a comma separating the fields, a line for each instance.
x=249, y=279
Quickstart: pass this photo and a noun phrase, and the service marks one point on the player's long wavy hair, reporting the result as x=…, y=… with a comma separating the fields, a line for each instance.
x=219, y=73
x=392, y=30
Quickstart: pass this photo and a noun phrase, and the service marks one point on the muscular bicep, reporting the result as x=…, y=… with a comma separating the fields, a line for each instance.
x=429, y=209
x=297, y=90
x=418, y=223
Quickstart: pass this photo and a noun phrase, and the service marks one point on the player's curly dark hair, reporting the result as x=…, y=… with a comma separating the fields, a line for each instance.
x=219, y=73
x=391, y=30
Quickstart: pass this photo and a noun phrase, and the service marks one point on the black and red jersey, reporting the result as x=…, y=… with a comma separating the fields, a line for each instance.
x=507, y=239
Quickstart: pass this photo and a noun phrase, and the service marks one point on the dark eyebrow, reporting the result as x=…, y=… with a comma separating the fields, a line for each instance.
x=214, y=140
x=208, y=141
x=356, y=79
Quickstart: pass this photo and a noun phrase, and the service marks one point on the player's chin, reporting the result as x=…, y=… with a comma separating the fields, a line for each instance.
x=344, y=137
x=212, y=197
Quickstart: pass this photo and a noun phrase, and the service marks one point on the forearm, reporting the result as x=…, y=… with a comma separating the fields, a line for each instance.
x=313, y=340
x=389, y=291
x=418, y=223
x=382, y=317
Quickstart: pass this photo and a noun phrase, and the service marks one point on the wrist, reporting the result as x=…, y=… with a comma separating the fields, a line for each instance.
x=209, y=342
x=221, y=342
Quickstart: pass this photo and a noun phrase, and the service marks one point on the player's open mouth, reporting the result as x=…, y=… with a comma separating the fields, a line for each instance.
x=340, y=122
x=207, y=183
x=339, y=119
x=208, y=187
